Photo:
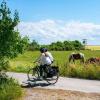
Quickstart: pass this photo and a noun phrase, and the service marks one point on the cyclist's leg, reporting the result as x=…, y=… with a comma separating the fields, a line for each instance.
x=41, y=70
x=46, y=68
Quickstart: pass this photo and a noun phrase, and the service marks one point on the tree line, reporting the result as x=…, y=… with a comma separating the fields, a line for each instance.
x=57, y=46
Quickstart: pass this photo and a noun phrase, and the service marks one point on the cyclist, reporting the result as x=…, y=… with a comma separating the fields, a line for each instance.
x=45, y=59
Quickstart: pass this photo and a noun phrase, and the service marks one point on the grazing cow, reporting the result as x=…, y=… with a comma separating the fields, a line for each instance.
x=93, y=60
x=76, y=56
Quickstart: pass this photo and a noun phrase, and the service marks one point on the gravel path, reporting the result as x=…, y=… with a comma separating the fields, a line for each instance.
x=82, y=85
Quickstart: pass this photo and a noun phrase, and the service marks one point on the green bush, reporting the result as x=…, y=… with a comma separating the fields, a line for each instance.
x=9, y=89
x=4, y=64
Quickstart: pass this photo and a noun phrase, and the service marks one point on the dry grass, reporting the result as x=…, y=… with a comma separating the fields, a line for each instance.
x=93, y=47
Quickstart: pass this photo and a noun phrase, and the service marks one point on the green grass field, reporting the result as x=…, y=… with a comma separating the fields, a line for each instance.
x=23, y=62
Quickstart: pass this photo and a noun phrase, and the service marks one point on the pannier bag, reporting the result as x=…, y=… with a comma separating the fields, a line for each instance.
x=52, y=71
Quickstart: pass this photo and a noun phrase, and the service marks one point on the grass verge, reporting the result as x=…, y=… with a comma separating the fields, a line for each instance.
x=9, y=89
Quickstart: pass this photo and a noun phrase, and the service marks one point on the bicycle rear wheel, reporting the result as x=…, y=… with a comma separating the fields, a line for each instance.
x=53, y=79
x=32, y=74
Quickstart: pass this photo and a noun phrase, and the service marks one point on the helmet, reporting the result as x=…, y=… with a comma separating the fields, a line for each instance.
x=46, y=49
x=42, y=50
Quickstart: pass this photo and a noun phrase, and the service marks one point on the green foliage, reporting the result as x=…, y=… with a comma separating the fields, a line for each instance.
x=58, y=46
x=9, y=89
x=33, y=46
x=4, y=64
x=23, y=44
x=77, y=45
x=66, y=45
x=9, y=39
x=11, y=43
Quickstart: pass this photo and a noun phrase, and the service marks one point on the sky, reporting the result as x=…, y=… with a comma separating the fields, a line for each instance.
x=49, y=21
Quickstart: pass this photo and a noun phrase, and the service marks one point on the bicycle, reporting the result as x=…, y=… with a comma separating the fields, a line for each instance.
x=51, y=74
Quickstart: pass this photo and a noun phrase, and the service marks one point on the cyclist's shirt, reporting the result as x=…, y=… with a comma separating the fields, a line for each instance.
x=45, y=58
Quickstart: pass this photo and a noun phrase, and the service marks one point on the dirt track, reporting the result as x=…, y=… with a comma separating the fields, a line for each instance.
x=48, y=94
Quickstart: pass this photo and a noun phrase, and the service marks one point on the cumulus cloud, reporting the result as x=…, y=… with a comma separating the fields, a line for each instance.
x=48, y=31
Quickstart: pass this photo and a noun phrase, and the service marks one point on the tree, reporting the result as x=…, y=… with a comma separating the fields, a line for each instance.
x=77, y=45
x=84, y=42
x=53, y=46
x=68, y=45
x=59, y=45
x=11, y=43
x=23, y=44
x=33, y=46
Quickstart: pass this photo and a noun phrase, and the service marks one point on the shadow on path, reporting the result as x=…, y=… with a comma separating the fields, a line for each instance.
x=34, y=83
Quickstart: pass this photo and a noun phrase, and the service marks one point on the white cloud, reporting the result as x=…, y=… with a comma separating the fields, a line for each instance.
x=48, y=31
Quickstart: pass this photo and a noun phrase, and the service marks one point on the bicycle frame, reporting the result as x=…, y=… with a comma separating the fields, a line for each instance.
x=34, y=74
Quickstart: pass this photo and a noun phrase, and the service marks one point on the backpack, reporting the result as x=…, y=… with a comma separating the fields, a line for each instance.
x=46, y=54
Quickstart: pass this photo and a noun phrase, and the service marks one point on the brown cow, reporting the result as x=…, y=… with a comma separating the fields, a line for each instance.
x=93, y=60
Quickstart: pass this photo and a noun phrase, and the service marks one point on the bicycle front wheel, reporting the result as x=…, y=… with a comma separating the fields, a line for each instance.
x=32, y=74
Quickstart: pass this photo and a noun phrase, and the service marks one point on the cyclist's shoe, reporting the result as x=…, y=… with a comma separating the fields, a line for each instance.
x=41, y=77
x=44, y=77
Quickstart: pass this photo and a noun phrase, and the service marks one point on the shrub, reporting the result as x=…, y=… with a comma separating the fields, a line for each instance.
x=9, y=89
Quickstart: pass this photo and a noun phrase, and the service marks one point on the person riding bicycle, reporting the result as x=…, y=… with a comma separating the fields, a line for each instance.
x=45, y=59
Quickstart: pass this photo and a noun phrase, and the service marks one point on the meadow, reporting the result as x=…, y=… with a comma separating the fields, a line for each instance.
x=23, y=62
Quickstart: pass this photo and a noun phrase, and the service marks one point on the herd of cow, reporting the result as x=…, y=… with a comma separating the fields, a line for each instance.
x=80, y=56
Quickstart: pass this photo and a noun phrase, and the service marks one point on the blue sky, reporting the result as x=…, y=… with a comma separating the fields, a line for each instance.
x=61, y=20
x=34, y=10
